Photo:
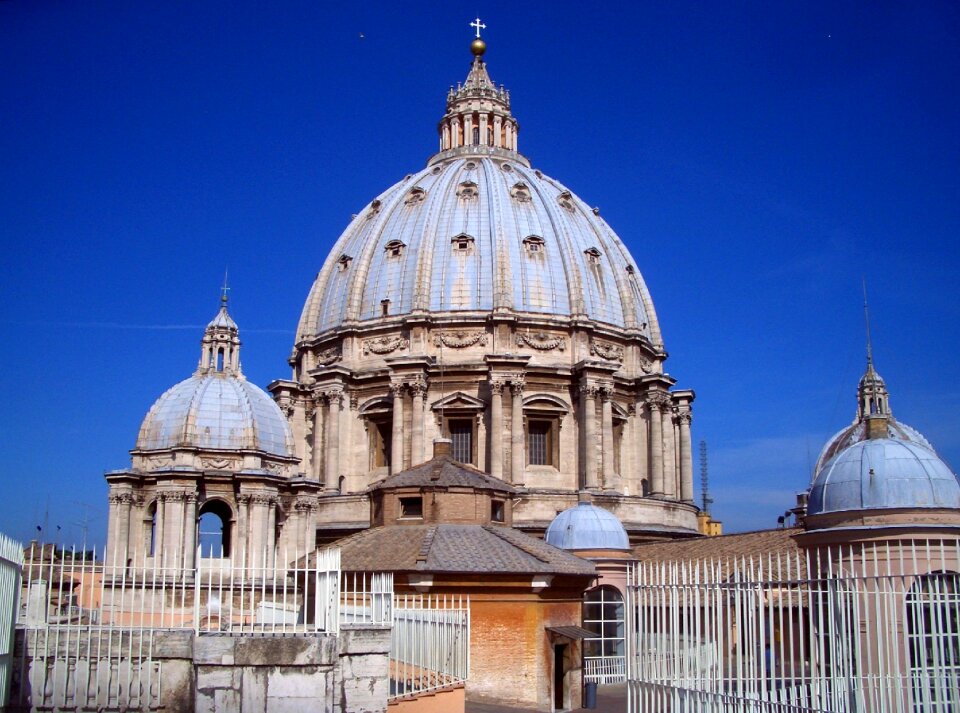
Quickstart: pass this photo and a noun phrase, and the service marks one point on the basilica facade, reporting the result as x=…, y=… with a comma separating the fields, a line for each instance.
x=477, y=300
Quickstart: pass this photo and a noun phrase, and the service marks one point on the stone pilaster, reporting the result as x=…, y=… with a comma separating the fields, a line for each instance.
x=606, y=434
x=588, y=422
x=418, y=391
x=517, y=450
x=496, y=427
x=656, y=402
x=396, y=441
x=334, y=401
x=683, y=419
x=316, y=453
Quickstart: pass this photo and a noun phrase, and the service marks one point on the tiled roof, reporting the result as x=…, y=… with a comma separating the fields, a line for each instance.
x=443, y=472
x=763, y=544
x=455, y=548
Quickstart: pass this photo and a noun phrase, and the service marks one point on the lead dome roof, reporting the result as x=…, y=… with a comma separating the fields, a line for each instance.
x=479, y=230
x=217, y=408
x=587, y=527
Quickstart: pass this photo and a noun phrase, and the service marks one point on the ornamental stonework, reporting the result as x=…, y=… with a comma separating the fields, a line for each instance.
x=384, y=345
x=460, y=339
x=329, y=356
x=220, y=463
x=541, y=341
x=610, y=352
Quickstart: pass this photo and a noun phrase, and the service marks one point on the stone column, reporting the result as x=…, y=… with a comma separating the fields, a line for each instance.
x=241, y=543
x=114, y=534
x=270, y=540
x=654, y=401
x=606, y=435
x=396, y=440
x=517, y=450
x=334, y=399
x=158, y=531
x=669, y=451
x=418, y=390
x=686, y=457
x=317, y=452
x=497, y=125
x=190, y=532
x=496, y=428
x=588, y=393
x=482, y=441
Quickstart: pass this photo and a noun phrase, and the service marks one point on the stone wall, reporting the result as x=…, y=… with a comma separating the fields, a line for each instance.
x=113, y=670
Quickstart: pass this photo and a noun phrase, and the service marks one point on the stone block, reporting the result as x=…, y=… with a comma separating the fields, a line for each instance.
x=172, y=644
x=227, y=700
x=299, y=682
x=213, y=650
x=217, y=677
x=364, y=639
x=254, y=689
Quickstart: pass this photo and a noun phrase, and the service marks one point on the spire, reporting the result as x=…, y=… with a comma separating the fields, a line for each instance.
x=478, y=117
x=873, y=400
x=220, y=346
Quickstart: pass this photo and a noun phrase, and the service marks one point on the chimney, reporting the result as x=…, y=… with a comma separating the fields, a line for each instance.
x=441, y=447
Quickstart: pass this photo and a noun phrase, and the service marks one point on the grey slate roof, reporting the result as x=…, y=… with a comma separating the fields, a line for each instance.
x=443, y=472
x=494, y=549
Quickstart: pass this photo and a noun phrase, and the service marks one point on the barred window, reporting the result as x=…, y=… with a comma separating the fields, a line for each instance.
x=539, y=446
x=461, y=435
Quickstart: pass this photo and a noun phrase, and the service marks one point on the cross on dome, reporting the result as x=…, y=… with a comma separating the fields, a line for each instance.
x=224, y=290
x=478, y=25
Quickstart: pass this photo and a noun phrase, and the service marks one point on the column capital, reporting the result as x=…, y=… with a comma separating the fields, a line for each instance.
x=658, y=400
x=497, y=385
x=682, y=418
x=397, y=387
x=516, y=384
x=418, y=386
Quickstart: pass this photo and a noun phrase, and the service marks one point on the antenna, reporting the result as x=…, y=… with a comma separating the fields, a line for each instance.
x=225, y=289
x=866, y=319
x=84, y=522
x=707, y=500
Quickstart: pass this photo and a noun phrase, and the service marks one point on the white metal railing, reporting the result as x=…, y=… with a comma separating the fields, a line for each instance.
x=366, y=598
x=11, y=561
x=604, y=669
x=430, y=644
x=872, y=627
x=292, y=593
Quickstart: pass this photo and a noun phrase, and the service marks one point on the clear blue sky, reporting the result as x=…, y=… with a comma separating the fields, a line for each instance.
x=757, y=158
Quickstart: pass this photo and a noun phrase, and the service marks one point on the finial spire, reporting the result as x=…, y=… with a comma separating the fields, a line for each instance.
x=866, y=319
x=225, y=289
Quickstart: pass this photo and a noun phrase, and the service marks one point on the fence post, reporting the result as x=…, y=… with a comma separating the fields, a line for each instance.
x=11, y=565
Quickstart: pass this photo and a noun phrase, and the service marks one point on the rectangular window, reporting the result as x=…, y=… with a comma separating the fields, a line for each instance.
x=411, y=507
x=539, y=443
x=461, y=435
x=380, y=437
x=497, y=511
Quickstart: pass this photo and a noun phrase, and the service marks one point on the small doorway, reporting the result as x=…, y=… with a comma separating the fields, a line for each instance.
x=559, y=650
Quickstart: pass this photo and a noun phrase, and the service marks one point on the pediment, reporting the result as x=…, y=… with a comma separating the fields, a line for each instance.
x=458, y=401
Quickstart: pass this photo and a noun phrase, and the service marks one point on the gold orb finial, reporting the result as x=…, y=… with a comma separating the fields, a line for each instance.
x=478, y=47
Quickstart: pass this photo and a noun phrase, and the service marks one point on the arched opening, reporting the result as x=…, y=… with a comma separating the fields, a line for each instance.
x=604, y=654
x=933, y=635
x=220, y=359
x=213, y=529
x=150, y=529
x=378, y=421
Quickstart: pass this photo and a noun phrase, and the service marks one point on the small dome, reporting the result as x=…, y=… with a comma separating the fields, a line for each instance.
x=217, y=411
x=883, y=473
x=587, y=527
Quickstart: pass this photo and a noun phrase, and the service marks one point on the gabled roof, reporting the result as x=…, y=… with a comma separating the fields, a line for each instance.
x=493, y=549
x=443, y=472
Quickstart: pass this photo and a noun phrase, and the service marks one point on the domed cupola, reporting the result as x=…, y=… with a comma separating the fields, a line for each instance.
x=587, y=527
x=217, y=409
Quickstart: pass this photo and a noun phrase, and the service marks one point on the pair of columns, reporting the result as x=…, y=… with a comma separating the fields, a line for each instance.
x=662, y=413
x=517, y=441
x=327, y=406
x=174, y=529
x=254, y=541
x=589, y=393
x=417, y=388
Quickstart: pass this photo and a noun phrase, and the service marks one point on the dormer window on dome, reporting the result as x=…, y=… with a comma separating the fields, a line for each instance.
x=593, y=255
x=565, y=200
x=520, y=192
x=415, y=195
x=343, y=262
x=374, y=209
x=467, y=191
x=394, y=248
x=462, y=243
x=534, y=244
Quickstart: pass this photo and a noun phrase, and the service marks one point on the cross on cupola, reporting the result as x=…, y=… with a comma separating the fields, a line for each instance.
x=478, y=25
x=220, y=347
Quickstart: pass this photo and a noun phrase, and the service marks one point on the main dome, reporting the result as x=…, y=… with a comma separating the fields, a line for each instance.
x=478, y=230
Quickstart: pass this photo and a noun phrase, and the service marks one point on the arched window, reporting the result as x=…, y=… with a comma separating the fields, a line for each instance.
x=220, y=359
x=604, y=655
x=213, y=529
x=933, y=633
x=150, y=529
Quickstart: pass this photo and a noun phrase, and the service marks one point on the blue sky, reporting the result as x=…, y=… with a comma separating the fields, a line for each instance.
x=757, y=158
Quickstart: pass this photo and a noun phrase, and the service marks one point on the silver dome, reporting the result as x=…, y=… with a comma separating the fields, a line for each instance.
x=476, y=234
x=883, y=473
x=587, y=527
x=218, y=411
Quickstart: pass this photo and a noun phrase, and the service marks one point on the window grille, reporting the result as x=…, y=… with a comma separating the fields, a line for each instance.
x=461, y=435
x=538, y=443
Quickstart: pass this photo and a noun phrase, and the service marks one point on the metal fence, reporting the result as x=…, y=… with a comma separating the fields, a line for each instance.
x=430, y=644
x=871, y=627
x=11, y=561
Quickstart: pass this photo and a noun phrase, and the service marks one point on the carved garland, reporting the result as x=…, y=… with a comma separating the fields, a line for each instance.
x=219, y=463
x=329, y=356
x=385, y=345
x=541, y=341
x=610, y=352
x=460, y=339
